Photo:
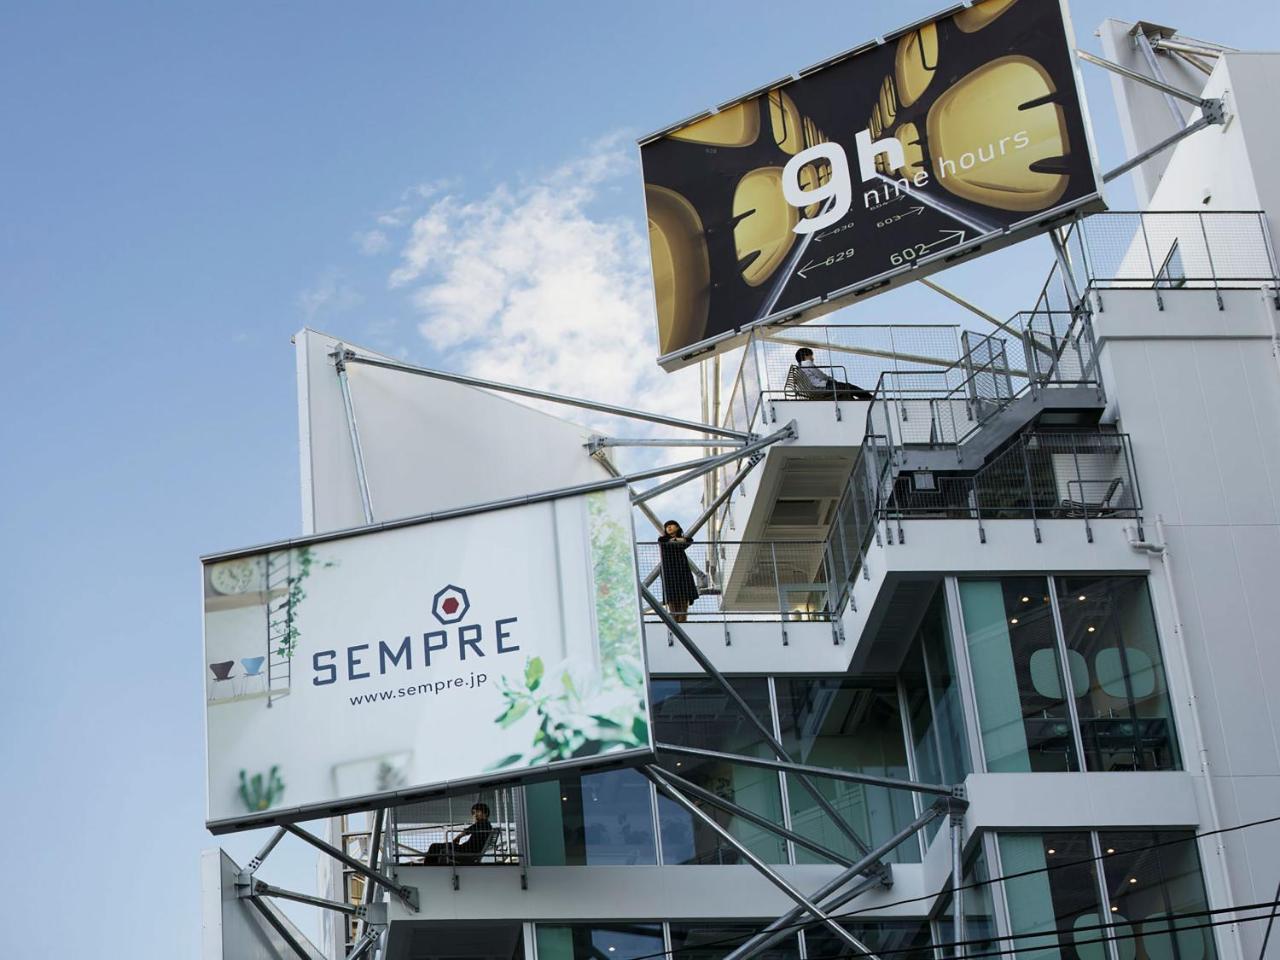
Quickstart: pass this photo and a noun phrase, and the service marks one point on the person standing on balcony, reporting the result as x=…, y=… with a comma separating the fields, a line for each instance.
x=678, y=587
x=822, y=382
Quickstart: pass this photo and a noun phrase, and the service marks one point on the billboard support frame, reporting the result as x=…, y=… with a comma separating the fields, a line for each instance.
x=350, y=356
x=348, y=408
x=407, y=895
x=281, y=930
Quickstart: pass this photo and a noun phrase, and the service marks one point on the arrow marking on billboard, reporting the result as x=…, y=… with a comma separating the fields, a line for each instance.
x=951, y=235
x=894, y=218
x=817, y=238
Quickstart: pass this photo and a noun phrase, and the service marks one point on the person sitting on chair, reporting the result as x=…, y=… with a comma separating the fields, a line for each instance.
x=821, y=382
x=468, y=845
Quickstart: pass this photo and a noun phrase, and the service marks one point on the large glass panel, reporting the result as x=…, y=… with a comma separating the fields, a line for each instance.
x=1126, y=722
x=1058, y=890
x=896, y=939
x=840, y=723
x=695, y=712
x=1017, y=675
x=1145, y=882
x=616, y=941
x=933, y=700
x=714, y=941
x=591, y=820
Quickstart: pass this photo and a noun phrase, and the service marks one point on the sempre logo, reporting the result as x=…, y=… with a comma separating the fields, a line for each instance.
x=417, y=651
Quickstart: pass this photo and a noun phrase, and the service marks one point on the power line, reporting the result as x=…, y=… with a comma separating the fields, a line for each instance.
x=1075, y=943
x=802, y=924
x=1270, y=920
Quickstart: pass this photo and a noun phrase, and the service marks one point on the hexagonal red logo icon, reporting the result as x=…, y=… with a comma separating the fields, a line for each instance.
x=450, y=604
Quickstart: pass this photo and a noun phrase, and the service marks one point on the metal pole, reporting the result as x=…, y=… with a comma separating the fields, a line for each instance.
x=957, y=881
x=780, y=927
x=712, y=463
x=1144, y=47
x=661, y=442
x=764, y=823
x=765, y=870
x=863, y=351
x=956, y=298
x=1150, y=152
x=1140, y=78
x=364, y=944
x=789, y=766
x=261, y=888
x=340, y=356
x=407, y=894
x=602, y=458
x=609, y=408
x=267, y=847
x=286, y=935
x=375, y=844
x=677, y=630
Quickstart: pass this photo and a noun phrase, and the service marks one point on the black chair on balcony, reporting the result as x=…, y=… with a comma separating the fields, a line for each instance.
x=1106, y=506
x=807, y=381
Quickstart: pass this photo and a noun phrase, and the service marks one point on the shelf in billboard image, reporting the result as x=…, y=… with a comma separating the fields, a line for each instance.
x=953, y=137
x=488, y=646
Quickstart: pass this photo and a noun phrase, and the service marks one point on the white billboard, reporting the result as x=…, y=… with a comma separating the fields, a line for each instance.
x=345, y=670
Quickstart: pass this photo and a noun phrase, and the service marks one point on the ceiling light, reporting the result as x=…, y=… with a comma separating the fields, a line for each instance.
x=1052, y=851
x=1092, y=629
x=611, y=949
x=1133, y=879
x=1026, y=599
x=565, y=799
x=1013, y=619
x=1115, y=909
x=1111, y=849
x=1081, y=597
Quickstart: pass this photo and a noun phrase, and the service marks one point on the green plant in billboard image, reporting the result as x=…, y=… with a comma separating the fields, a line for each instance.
x=573, y=722
x=613, y=563
x=259, y=794
x=284, y=621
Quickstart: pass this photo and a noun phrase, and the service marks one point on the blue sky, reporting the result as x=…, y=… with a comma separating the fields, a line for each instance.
x=186, y=185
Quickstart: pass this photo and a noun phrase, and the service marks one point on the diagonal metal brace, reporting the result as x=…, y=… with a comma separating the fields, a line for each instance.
x=408, y=895
x=366, y=943
x=260, y=888
x=801, y=901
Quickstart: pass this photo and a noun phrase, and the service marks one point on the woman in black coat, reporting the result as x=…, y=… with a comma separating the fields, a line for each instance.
x=678, y=587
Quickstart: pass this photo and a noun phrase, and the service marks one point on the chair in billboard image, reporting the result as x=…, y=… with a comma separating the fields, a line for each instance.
x=222, y=674
x=252, y=672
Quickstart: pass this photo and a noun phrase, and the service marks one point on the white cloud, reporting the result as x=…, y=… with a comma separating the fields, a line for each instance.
x=372, y=242
x=528, y=285
x=330, y=295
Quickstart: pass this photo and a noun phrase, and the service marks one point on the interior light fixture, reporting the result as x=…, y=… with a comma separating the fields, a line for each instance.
x=565, y=799
x=1081, y=597
x=611, y=949
x=1111, y=849
x=1026, y=599
x=1092, y=629
x=1052, y=851
x=1133, y=879
x=1115, y=909
x=1013, y=619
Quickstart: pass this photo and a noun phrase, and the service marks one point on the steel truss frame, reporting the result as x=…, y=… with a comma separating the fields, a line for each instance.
x=870, y=867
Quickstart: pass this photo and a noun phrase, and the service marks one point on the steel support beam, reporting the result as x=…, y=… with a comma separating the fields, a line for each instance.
x=276, y=836
x=764, y=823
x=957, y=881
x=375, y=849
x=340, y=357
x=804, y=769
x=612, y=409
x=284, y=933
x=260, y=888
x=1143, y=44
x=861, y=351
x=976, y=311
x=660, y=442
x=713, y=463
x=1164, y=144
x=763, y=868
x=366, y=943
x=408, y=895
x=678, y=631
x=781, y=927
x=1136, y=77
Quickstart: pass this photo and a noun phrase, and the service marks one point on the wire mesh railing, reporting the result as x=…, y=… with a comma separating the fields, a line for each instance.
x=433, y=832
x=739, y=580
x=1039, y=476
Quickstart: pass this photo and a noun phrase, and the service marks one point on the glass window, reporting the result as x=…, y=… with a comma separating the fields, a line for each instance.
x=1126, y=722
x=1017, y=675
x=1059, y=891
x=979, y=914
x=714, y=941
x=933, y=700
x=617, y=941
x=898, y=939
x=591, y=820
x=840, y=723
x=695, y=712
x=1145, y=881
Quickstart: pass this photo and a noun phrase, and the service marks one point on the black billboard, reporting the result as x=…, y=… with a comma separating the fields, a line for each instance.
x=958, y=135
